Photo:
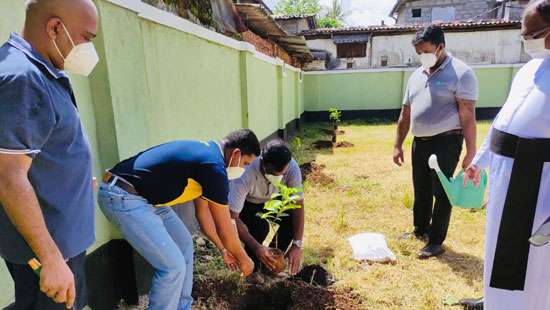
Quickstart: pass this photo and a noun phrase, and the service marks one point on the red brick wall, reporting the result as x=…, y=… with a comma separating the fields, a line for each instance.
x=269, y=48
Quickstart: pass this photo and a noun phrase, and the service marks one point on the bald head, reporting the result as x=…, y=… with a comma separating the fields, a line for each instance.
x=46, y=21
x=540, y=8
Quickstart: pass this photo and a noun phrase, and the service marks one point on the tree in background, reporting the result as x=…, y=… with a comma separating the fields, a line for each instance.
x=333, y=16
x=297, y=7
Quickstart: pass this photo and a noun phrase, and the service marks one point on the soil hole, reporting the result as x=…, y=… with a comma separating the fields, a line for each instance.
x=313, y=172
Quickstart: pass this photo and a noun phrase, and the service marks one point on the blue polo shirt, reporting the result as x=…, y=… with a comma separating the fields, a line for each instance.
x=39, y=118
x=178, y=172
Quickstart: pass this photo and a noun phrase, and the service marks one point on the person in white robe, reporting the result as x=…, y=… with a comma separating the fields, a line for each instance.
x=517, y=153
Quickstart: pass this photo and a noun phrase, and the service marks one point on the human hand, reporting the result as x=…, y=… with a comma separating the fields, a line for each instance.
x=294, y=256
x=266, y=257
x=246, y=265
x=57, y=281
x=229, y=260
x=472, y=173
x=398, y=156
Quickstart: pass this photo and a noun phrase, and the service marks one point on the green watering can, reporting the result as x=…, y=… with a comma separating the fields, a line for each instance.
x=469, y=197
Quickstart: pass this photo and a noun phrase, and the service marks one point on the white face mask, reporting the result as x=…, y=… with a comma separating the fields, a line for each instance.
x=234, y=173
x=536, y=48
x=82, y=59
x=428, y=60
x=274, y=179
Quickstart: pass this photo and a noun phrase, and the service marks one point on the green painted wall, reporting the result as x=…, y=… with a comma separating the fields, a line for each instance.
x=382, y=90
x=263, y=96
x=290, y=103
x=155, y=83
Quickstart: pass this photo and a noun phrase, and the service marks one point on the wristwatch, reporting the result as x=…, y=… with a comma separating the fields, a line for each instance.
x=298, y=243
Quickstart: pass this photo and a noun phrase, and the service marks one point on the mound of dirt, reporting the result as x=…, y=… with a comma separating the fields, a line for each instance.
x=344, y=144
x=316, y=275
x=339, y=132
x=322, y=144
x=271, y=294
x=312, y=172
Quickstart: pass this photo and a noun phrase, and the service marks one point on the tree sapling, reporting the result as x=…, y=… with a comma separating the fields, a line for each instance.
x=274, y=210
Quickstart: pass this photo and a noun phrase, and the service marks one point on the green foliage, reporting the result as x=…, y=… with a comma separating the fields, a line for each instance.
x=297, y=7
x=285, y=200
x=335, y=115
x=296, y=144
x=329, y=22
x=335, y=11
x=202, y=9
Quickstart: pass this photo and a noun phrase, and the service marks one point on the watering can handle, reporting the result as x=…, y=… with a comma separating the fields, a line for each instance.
x=432, y=162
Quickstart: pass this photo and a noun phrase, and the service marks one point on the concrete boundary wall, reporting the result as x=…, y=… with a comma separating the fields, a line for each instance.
x=383, y=89
x=162, y=78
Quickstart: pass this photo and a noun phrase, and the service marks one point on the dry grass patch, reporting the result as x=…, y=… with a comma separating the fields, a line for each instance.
x=371, y=194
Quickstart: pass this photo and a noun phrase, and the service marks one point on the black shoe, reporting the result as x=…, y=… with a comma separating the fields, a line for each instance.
x=472, y=304
x=431, y=250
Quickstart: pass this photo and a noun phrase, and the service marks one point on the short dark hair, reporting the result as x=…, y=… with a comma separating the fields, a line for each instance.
x=543, y=8
x=244, y=140
x=276, y=155
x=432, y=33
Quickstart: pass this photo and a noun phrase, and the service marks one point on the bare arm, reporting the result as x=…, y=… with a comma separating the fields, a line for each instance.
x=226, y=230
x=206, y=222
x=467, y=114
x=298, y=219
x=244, y=234
x=403, y=126
x=22, y=208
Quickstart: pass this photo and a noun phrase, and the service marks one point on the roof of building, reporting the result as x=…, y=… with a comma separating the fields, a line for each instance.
x=398, y=6
x=293, y=16
x=396, y=29
x=259, y=20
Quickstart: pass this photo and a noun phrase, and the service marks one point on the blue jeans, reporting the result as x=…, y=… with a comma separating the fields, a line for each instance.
x=160, y=236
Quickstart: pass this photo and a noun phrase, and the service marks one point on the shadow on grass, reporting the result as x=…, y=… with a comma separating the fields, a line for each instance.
x=465, y=265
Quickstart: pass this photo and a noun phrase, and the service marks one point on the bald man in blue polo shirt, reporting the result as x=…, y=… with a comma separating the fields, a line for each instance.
x=47, y=208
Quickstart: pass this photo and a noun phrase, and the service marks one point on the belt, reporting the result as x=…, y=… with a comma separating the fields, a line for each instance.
x=516, y=226
x=115, y=180
x=455, y=132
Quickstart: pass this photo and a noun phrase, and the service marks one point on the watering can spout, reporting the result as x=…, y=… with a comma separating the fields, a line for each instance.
x=432, y=162
x=469, y=196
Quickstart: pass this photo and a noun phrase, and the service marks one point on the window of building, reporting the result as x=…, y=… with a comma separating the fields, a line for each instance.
x=351, y=50
x=384, y=61
x=349, y=65
x=417, y=13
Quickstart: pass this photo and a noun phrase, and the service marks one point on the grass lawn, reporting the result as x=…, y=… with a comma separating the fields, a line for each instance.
x=371, y=194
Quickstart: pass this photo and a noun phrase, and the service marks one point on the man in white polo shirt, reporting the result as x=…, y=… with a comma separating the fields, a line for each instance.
x=439, y=108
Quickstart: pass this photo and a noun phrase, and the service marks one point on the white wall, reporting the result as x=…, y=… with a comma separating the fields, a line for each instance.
x=329, y=46
x=480, y=47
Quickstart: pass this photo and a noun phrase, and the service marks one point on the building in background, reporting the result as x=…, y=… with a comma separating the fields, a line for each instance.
x=427, y=11
x=477, y=31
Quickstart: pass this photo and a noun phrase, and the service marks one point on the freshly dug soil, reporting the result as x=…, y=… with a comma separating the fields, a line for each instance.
x=339, y=132
x=322, y=144
x=271, y=294
x=316, y=275
x=344, y=144
x=312, y=172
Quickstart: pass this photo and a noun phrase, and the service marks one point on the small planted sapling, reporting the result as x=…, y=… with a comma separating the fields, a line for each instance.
x=274, y=210
x=335, y=116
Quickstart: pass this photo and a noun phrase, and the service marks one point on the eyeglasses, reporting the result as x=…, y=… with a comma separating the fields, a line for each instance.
x=536, y=35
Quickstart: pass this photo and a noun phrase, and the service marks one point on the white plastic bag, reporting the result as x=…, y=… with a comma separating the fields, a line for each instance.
x=371, y=247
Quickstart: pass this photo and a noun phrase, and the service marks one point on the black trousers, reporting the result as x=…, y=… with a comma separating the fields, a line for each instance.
x=429, y=218
x=27, y=288
x=259, y=229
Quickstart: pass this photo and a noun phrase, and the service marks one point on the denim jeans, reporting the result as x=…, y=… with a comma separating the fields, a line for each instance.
x=160, y=236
